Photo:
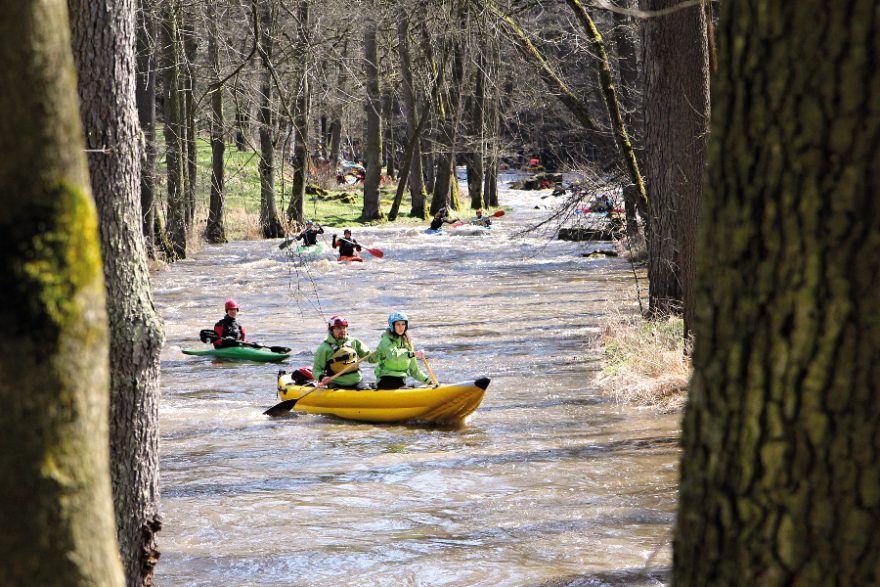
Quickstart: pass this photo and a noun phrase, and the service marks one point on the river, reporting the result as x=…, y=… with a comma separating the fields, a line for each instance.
x=549, y=482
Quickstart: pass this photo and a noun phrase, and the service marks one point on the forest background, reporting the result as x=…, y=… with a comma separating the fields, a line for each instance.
x=779, y=468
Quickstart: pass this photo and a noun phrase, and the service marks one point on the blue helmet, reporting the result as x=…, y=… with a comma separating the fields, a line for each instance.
x=309, y=222
x=395, y=317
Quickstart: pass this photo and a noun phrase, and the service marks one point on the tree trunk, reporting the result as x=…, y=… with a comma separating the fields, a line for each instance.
x=301, y=114
x=477, y=142
x=415, y=173
x=492, y=126
x=389, y=145
x=270, y=224
x=174, y=130
x=145, y=96
x=676, y=126
x=56, y=508
x=372, y=210
x=103, y=39
x=626, y=42
x=779, y=470
x=190, y=44
x=216, y=231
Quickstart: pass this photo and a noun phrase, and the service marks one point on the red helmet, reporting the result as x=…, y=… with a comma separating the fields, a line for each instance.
x=336, y=321
x=231, y=304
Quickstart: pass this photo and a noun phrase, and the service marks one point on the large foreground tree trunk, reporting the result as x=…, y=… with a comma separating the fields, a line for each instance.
x=56, y=509
x=779, y=475
x=104, y=40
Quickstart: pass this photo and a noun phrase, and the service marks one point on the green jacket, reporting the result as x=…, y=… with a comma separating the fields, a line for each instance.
x=330, y=346
x=396, y=359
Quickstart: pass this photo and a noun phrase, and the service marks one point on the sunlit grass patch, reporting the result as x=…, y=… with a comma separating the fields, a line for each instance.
x=645, y=363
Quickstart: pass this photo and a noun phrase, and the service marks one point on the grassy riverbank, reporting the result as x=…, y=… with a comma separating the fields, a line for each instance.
x=645, y=363
x=340, y=206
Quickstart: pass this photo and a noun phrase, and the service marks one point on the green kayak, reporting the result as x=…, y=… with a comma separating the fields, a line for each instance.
x=240, y=353
x=315, y=249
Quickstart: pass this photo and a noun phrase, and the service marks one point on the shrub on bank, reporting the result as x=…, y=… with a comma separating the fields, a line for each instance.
x=645, y=361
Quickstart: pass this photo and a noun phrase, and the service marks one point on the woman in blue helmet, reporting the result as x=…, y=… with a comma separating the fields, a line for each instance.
x=396, y=356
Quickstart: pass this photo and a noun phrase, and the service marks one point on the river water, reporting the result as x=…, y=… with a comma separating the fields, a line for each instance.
x=548, y=483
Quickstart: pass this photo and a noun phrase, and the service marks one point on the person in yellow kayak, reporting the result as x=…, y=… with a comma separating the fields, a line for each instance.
x=339, y=352
x=229, y=331
x=396, y=356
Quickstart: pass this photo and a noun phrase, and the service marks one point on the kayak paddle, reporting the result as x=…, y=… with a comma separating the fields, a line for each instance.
x=207, y=335
x=431, y=373
x=282, y=408
x=374, y=252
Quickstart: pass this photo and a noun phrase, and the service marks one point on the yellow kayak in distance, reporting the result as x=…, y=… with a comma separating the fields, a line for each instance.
x=447, y=404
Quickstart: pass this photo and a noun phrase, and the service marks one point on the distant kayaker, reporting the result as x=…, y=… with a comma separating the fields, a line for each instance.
x=309, y=235
x=339, y=352
x=441, y=218
x=346, y=245
x=229, y=331
x=397, y=356
x=482, y=220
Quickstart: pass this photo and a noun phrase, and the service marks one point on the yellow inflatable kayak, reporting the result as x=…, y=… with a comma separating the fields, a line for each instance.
x=447, y=404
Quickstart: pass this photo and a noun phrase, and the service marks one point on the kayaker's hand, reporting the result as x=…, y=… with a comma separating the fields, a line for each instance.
x=419, y=354
x=325, y=381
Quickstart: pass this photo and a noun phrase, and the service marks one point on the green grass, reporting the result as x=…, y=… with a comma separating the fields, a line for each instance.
x=341, y=206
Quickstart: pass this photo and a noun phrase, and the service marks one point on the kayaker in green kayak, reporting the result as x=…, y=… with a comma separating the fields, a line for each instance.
x=340, y=352
x=309, y=235
x=396, y=355
x=229, y=331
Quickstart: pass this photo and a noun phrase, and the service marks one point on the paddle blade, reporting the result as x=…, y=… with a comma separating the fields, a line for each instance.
x=207, y=335
x=376, y=253
x=498, y=213
x=280, y=409
x=279, y=349
x=285, y=243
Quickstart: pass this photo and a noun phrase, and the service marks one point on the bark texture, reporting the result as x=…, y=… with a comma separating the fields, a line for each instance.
x=264, y=19
x=216, y=230
x=780, y=471
x=371, y=209
x=56, y=512
x=676, y=74
x=175, y=130
x=103, y=40
x=302, y=114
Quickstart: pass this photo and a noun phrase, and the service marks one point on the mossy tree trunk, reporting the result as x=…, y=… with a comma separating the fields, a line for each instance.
x=371, y=209
x=216, y=230
x=676, y=72
x=779, y=474
x=56, y=508
x=103, y=41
